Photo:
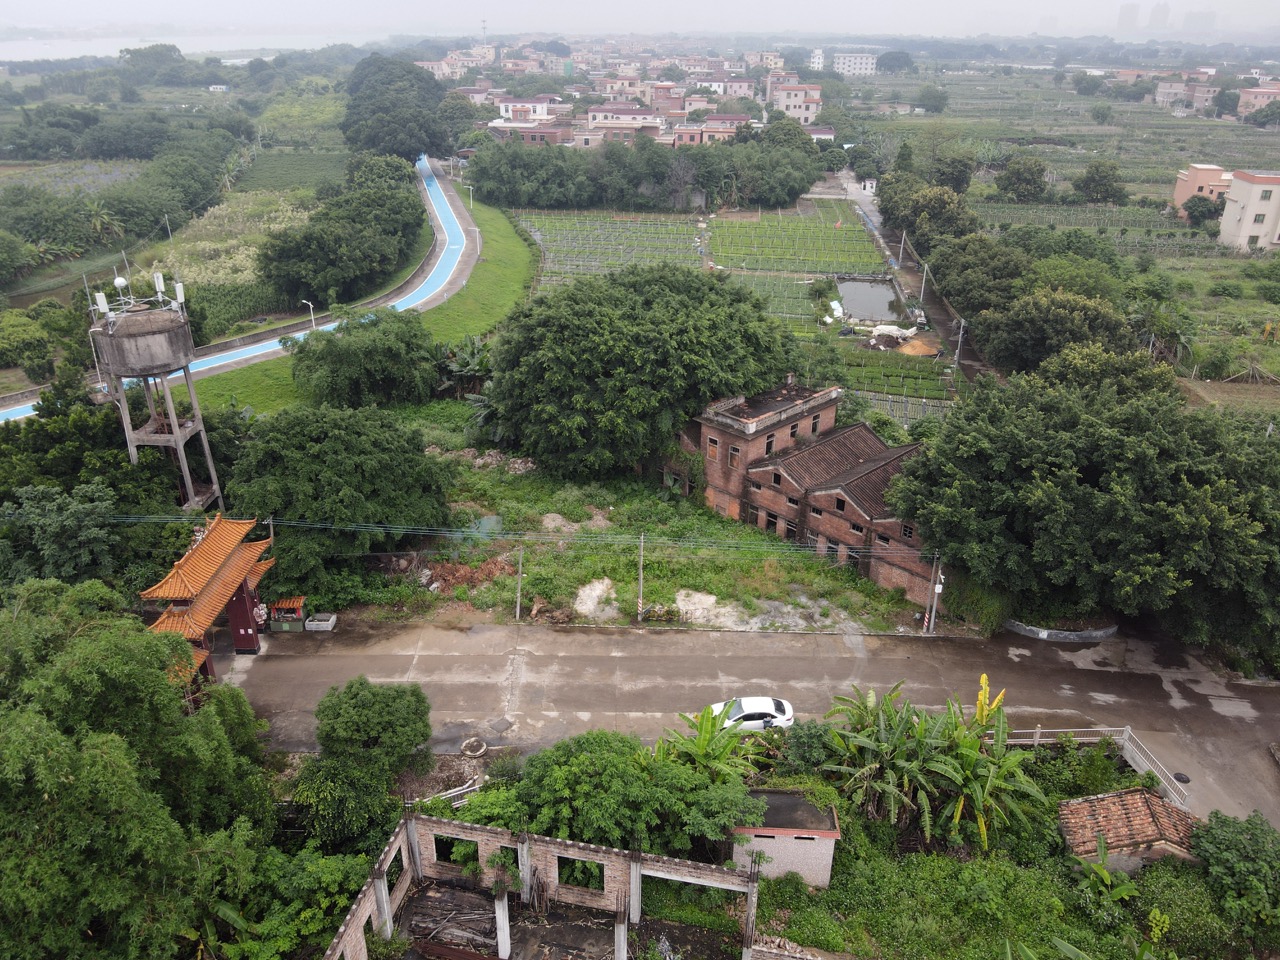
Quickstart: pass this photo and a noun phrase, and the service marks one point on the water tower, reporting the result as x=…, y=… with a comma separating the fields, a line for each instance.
x=147, y=343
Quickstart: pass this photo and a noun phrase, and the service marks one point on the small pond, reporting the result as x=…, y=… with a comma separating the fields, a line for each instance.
x=871, y=300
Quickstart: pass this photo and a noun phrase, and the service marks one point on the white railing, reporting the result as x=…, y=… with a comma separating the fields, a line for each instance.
x=1134, y=751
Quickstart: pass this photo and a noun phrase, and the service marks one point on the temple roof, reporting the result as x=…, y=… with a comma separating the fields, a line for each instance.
x=193, y=571
x=208, y=575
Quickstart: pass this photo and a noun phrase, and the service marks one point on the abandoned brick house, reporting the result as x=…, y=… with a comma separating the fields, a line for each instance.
x=778, y=461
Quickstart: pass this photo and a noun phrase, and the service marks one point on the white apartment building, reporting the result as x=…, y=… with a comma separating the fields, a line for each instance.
x=800, y=101
x=854, y=64
x=817, y=60
x=1252, y=218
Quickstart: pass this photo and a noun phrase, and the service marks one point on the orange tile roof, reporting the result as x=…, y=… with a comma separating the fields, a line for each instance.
x=182, y=673
x=259, y=568
x=194, y=620
x=289, y=603
x=192, y=573
x=1127, y=819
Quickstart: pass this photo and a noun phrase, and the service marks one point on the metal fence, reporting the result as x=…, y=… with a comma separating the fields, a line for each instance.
x=1134, y=751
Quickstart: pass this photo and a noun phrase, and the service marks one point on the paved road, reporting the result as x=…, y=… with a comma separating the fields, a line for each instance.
x=529, y=686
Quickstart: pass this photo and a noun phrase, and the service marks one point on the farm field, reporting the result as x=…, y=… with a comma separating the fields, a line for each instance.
x=66, y=177
x=775, y=253
x=287, y=170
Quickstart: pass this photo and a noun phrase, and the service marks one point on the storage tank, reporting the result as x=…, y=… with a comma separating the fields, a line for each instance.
x=143, y=341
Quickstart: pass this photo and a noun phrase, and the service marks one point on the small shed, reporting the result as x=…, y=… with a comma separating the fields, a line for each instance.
x=796, y=836
x=288, y=614
x=1139, y=827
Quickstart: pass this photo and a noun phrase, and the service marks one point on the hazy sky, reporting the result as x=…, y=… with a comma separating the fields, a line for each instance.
x=331, y=20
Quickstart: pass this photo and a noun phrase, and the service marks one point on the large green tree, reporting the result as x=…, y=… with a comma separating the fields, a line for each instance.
x=599, y=375
x=1087, y=487
x=350, y=478
x=1039, y=324
x=382, y=727
x=114, y=794
x=1023, y=179
x=371, y=357
x=1100, y=182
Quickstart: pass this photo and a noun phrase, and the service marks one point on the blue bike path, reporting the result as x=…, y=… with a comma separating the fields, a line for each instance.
x=445, y=266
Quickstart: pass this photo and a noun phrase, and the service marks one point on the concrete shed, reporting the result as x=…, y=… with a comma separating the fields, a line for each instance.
x=796, y=836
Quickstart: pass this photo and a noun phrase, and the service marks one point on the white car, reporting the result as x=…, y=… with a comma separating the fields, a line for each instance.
x=756, y=713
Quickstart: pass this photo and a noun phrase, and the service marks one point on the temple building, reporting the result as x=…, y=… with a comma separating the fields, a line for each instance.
x=218, y=574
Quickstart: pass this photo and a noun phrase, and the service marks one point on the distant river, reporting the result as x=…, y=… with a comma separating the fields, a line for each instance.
x=65, y=48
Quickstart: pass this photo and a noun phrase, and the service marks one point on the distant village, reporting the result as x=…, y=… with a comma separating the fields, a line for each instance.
x=675, y=113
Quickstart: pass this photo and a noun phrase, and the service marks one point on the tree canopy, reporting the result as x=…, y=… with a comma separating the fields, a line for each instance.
x=356, y=470
x=1100, y=183
x=1039, y=324
x=599, y=375
x=1086, y=486
x=379, y=356
x=1023, y=179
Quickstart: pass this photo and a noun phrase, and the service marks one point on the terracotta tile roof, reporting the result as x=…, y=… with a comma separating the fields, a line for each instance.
x=1127, y=819
x=866, y=483
x=821, y=461
x=852, y=459
x=259, y=568
x=182, y=673
x=194, y=570
x=289, y=603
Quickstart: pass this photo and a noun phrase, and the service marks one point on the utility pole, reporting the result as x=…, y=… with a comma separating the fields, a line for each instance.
x=519, y=580
x=640, y=597
x=924, y=277
x=939, y=579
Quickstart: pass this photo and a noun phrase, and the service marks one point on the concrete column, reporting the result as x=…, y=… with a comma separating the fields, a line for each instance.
x=635, y=887
x=503, y=923
x=204, y=436
x=526, y=867
x=382, y=897
x=620, y=927
x=411, y=841
x=177, y=437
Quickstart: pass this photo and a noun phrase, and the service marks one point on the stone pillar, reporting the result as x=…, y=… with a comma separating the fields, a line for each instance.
x=382, y=897
x=503, y=922
x=635, y=888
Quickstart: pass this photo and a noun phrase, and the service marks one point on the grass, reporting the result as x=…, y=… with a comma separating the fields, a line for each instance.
x=499, y=282
x=266, y=387
x=283, y=171
x=735, y=562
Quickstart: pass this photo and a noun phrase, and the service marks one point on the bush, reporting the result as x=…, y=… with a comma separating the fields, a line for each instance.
x=814, y=927
x=985, y=607
x=1181, y=891
x=1232, y=289
x=804, y=748
x=1243, y=861
x=1268, y=290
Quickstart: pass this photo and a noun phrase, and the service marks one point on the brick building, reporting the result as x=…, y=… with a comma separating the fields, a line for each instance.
x=778, y=461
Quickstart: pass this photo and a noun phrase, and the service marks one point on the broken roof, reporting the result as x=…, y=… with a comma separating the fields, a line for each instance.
x=1126, y=819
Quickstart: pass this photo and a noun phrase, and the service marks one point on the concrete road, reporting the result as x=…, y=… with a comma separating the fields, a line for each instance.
x=528, y=686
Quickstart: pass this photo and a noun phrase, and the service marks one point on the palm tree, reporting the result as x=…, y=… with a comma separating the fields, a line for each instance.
x=712, y=745
x=102, y=222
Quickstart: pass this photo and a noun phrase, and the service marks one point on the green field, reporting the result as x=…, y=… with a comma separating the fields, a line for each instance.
x=287, y=170
x=577, y=244
x=831, y=240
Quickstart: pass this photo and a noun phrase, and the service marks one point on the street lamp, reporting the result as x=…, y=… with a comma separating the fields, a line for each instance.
x=313, y=313
x=473, y=194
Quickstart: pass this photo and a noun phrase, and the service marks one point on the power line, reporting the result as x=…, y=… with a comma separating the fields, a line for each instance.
x=578, y=539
